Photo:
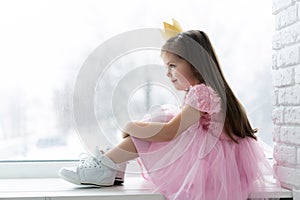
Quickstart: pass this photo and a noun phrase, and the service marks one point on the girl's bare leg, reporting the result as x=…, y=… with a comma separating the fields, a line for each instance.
x=125, y=151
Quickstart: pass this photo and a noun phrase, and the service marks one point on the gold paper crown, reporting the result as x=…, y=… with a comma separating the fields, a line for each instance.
x=171, y=30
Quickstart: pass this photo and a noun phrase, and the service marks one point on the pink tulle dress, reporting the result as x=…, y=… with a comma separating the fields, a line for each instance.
x=202, y=163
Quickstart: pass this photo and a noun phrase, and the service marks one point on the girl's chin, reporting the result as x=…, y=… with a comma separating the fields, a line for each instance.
x=179, y=88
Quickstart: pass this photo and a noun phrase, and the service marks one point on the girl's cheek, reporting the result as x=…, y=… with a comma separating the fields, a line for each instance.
x=174, y=74
x=178, y=75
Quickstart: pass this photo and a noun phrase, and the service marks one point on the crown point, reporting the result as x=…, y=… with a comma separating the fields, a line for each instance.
x=171, y=30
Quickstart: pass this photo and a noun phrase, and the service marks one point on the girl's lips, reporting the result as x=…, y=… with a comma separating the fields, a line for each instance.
x=173, y=81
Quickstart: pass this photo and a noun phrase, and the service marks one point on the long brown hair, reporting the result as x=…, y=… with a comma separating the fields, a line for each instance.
x=195, y=47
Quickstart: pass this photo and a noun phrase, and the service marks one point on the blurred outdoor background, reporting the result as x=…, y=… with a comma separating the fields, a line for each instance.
x=43, y=44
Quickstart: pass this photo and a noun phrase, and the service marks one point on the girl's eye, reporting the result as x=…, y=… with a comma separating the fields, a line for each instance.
x=171, y=66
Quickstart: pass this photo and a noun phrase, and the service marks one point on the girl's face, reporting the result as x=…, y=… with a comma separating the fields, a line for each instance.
x=179, y=71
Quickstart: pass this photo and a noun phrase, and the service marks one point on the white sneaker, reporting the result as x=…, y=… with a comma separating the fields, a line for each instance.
x=91, y=171
x=120, y=176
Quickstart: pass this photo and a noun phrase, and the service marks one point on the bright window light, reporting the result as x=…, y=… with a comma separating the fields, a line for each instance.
x=43, y=45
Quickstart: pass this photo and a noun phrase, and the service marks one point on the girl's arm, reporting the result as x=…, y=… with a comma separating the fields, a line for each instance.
x=160, y=132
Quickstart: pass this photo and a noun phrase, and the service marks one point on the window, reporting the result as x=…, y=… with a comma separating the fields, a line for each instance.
x=45, y=43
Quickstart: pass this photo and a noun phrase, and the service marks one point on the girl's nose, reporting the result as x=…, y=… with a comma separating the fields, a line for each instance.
x=168, y=73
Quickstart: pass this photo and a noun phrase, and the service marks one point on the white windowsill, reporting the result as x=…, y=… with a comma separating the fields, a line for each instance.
x=134, y=188
x=54, y=188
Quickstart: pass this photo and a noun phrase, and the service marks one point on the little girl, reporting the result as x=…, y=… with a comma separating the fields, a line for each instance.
x=205, y=151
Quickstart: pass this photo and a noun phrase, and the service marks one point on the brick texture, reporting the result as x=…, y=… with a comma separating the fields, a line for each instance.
x=286, y=97
x=286, y=17
x=279, y=5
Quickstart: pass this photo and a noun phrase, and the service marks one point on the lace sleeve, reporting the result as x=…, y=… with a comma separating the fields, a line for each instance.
x=204, y=99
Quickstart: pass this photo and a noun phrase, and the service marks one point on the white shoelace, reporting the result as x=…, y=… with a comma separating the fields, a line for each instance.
x=88, y=161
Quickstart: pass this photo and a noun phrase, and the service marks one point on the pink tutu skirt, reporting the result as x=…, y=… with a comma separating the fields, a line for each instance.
x=180, y=170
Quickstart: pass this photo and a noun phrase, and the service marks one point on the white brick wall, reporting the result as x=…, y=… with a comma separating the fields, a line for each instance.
x=289, y=176
x=286, y=83
x=286, y=37
x=288, y=56
x=286, y=17
x=283, y=77
x=297, y=74
x=288, y=95
x=290, y=135
x=285, y=154
x=279, y=5
x=292, y=116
